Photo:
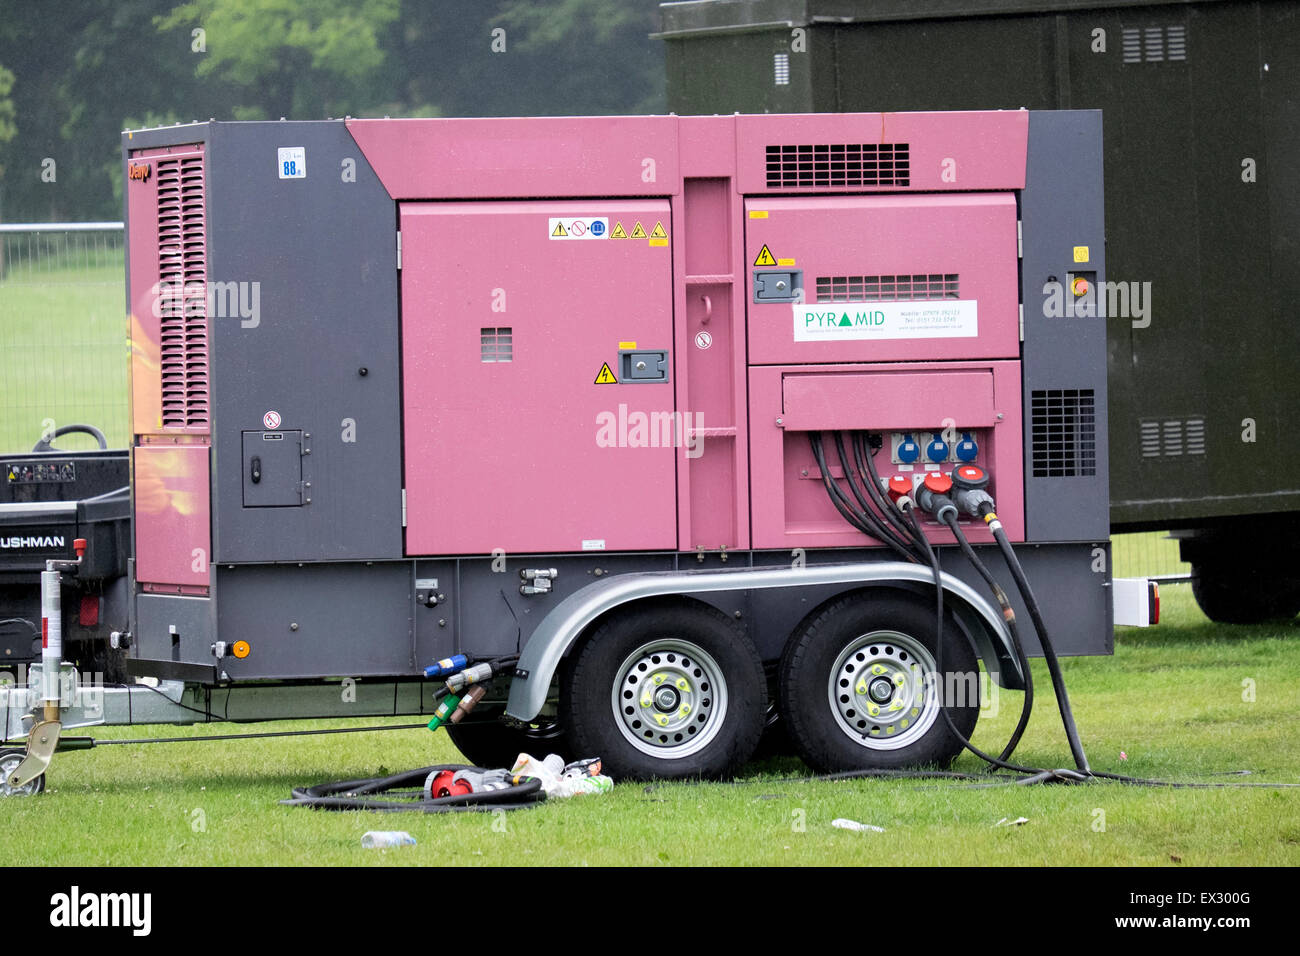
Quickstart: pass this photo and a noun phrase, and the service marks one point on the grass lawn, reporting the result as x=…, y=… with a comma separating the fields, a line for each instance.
x=63, y=345
x=1171, y=699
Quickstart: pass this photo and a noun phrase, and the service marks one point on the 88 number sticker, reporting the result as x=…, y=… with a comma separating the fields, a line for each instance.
x=292, y=162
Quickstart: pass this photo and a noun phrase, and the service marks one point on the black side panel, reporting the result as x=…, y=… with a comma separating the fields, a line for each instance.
x=1064, y=368
x=314, y=262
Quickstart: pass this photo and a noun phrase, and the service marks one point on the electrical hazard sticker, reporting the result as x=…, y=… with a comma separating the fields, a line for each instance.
x=596, y=227
x=605, y=376
x=765, y=257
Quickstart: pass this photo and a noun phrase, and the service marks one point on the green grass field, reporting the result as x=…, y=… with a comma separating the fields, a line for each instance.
x=1171, y=699
x=63, y=354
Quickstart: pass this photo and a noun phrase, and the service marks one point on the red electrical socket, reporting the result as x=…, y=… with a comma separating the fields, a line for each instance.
x=938, y=483
x=444, y=786
x=900, y=486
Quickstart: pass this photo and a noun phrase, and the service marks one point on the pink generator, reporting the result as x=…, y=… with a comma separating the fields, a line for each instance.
x=671, y=422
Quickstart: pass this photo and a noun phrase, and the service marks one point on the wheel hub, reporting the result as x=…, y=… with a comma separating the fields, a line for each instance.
x=879, y=690
x=669, y=698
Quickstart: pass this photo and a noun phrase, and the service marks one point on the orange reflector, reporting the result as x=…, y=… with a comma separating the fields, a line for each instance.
x=241, y=649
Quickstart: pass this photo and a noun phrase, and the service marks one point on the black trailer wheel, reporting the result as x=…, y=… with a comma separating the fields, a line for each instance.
x=668, y=690
x=9, y=761
x=859, y=687
x=1233, y=592
x=492, y=744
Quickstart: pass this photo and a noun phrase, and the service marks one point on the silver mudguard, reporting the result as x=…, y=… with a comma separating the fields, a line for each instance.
x=560, y=628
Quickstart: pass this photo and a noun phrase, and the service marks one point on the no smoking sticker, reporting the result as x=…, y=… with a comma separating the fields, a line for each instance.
x=703, y=340
x=271, y=420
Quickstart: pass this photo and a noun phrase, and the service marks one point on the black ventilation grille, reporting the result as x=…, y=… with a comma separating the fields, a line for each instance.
x=496, y=345
x=933, y=285
x=1063, y=429
x=823, y=164
x=1172, y=437
x=1155, y=44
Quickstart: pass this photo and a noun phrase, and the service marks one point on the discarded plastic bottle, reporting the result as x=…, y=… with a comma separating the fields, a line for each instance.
x=382, y=839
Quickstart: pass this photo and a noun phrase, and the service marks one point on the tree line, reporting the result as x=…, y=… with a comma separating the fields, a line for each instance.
x=75, y=73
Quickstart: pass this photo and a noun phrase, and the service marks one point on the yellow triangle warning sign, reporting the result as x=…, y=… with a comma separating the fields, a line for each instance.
x=765, y=257
x=619, y=232
x=559, y=230
x=658, y=231
x=638, y=231
x=606, y=376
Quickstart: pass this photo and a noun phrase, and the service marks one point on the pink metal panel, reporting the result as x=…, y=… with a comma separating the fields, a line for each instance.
x=501, y=158
x=167, y=242
x=887, y=240
x=530, y=455
x=172, y=526
x=944, y=151
x=891, y=399
x=713, y=481
x=789, y=501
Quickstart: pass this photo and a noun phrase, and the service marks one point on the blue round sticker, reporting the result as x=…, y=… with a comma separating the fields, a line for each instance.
x=597, y=228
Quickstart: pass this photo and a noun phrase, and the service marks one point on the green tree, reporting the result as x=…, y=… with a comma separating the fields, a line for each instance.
x=303, y=59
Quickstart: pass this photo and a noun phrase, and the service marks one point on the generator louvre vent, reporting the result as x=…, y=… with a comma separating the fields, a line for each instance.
x=1150, y=439
x=825, y=164
x=1063, y=432
x=183, y=292
x=1154, y=44
x=1172, y=437
x=897, y=288
x=496, y=345
x=781, y=69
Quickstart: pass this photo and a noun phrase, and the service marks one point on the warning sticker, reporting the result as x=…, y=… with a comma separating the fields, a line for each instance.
x=765, y=257
x=605, y=376
x=595, y=227
x=940, y=319
x=619, y=232
x=638, y=231
x=658, y=235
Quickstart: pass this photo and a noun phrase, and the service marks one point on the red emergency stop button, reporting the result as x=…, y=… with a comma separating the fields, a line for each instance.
x=1079, y=286
x=938, y=483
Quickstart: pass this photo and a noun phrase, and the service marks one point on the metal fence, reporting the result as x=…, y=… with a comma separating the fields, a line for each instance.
x=63, y=334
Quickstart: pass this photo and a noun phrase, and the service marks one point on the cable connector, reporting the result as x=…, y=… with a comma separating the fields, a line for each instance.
x=932, y=495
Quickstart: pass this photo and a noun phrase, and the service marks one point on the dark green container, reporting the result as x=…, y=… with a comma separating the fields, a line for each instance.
x=1201, y=107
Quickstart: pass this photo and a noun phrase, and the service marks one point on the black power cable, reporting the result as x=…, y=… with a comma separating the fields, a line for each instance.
x=999, y=762
x=367, y=793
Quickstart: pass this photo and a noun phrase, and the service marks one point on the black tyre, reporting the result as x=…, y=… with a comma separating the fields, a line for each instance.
x=859, y=686
x=1233, y=593
x=667, y=690
x=9, y=761
x=491, y=744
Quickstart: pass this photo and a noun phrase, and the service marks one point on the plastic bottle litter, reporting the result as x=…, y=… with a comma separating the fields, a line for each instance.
x=382, y=839
x=845, y=824
x=559, y=780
